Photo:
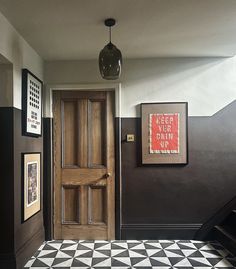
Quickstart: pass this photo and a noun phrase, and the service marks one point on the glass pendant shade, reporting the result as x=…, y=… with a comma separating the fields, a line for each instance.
x=110, y=61
x=110, y=58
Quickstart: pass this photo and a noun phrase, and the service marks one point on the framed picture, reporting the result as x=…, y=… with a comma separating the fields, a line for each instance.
x=164, y=133
x=31, y=104
x=31, y=184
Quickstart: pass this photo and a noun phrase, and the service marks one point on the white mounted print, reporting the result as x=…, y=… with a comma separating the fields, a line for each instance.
x=31, y=104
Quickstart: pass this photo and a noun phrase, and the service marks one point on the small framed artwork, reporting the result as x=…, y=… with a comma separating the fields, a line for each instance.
x=31, y=104
x=164, y=133
x=31, y=184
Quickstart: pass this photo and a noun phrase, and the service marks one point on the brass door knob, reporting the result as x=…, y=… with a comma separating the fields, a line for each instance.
x=107, y=175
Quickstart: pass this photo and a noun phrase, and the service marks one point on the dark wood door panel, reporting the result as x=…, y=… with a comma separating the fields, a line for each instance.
x=84, y=165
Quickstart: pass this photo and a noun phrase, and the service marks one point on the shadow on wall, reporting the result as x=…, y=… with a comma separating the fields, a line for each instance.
x=6, y=82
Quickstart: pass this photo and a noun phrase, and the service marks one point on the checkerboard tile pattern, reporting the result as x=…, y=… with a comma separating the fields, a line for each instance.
x=161, y=254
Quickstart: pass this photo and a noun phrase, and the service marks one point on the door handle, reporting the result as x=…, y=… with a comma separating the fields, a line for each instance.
x=107, y=175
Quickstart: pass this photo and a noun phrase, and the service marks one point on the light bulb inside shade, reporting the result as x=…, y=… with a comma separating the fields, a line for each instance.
x=110, y=61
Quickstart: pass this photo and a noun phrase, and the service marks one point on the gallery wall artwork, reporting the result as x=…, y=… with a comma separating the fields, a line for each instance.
x=31, y=184
x=164, y=133
x=31, y=104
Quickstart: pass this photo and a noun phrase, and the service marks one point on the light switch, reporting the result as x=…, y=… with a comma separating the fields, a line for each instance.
x=130, y=138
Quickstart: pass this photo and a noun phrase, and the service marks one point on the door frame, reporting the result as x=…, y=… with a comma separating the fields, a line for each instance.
x=48, y=146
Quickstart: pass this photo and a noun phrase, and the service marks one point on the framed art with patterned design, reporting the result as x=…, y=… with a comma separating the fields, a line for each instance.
x=164, y=133
x=31, y=104
x=31, y=184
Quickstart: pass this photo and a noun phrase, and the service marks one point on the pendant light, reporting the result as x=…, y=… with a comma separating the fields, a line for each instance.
x=110, y=58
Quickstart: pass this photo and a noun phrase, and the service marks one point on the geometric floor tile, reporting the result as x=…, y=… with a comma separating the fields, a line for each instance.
x=140, y=254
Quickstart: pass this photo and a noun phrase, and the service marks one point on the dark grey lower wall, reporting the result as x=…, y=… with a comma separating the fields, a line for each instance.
x=48, y=177
x=7, y=189
x=20, y=239
x=173, y=201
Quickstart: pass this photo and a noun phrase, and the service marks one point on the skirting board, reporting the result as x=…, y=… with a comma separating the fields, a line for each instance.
x=159, y=231
x=24, y=254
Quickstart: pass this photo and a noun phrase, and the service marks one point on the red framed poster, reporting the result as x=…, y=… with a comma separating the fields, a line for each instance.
x=164, y=133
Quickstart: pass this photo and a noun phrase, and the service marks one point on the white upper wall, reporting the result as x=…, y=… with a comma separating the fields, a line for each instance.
x=17, y=51
x=207, y=84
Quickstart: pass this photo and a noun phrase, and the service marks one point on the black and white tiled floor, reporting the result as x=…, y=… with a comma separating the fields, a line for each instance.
x=162, y=254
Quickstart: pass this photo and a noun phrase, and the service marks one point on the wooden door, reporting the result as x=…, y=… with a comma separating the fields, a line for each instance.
x=84, y=172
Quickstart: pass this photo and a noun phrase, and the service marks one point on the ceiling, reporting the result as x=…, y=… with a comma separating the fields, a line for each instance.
x=73, y=29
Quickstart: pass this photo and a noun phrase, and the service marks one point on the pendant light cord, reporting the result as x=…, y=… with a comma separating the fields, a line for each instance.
x=110, y=33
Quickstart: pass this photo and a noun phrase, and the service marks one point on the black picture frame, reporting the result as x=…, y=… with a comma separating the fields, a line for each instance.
x=32, y=88
x=169, y=156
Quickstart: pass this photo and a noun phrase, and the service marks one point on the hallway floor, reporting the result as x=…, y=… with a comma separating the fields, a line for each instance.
x=162, y=254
